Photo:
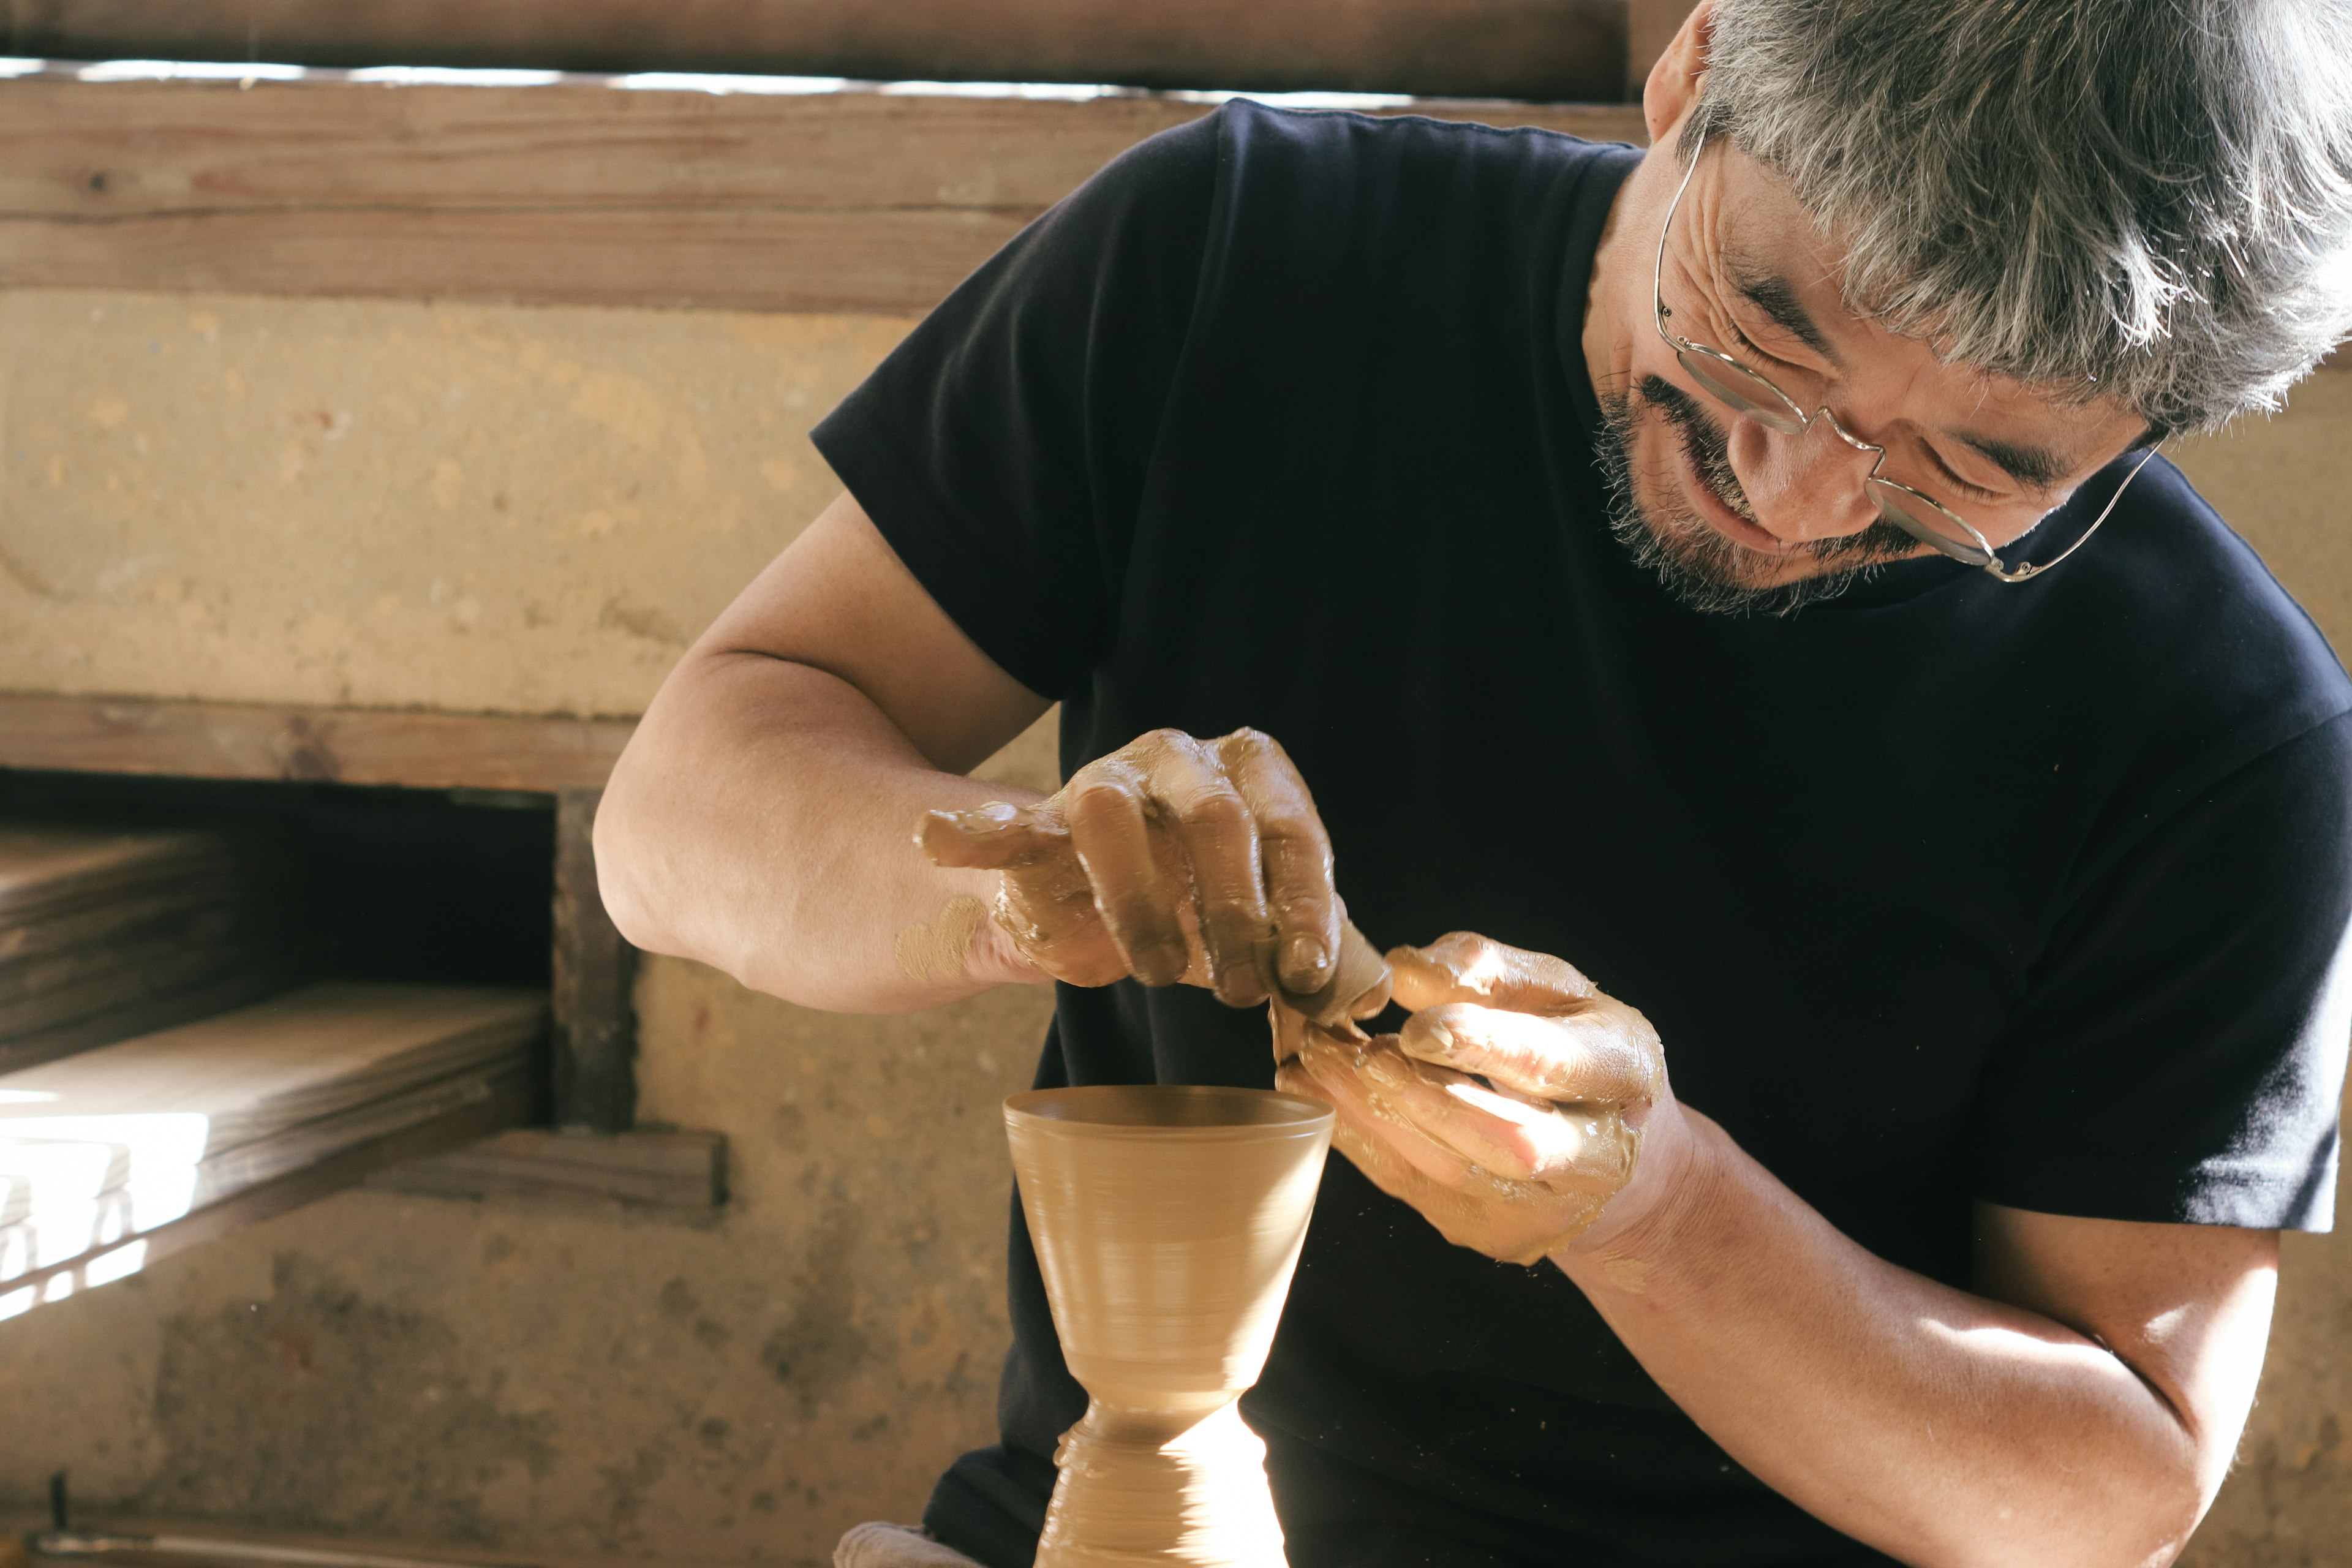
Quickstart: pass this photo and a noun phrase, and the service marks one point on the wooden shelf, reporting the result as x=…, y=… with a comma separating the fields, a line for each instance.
x=120, y=1155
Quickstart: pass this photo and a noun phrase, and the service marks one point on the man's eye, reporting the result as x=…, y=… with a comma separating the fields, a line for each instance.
x=1972, y=491
x=1758, y=350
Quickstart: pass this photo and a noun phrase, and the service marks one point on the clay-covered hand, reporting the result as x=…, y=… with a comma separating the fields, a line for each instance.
x=1172, y=859
x=1509, y=1109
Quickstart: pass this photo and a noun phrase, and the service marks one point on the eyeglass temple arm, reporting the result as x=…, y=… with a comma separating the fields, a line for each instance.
x=2020, y=574
x=1658, y=263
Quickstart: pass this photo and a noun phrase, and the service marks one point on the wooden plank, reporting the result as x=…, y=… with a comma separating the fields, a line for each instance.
x=46, y=866
x=668, y=1169
x=162, y=1141
x=595, y=1086
x=1508, y=48
x=326, y=745
x=503, y=1100
x=136, y=1015
x=121, y=914
x=57, y=992
x=104, y=932
x=260, y=1070
x=578, y=191
x=263, y=1159
x=883, y=262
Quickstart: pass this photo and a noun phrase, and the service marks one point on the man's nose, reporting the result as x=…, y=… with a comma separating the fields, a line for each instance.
x=1806, y=486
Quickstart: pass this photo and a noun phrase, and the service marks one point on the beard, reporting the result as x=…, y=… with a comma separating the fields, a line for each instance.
x=1699, y=567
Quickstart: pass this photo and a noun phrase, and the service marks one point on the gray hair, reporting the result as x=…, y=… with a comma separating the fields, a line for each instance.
x=2142, y=200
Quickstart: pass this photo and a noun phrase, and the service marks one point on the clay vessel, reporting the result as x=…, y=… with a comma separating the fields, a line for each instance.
x=1167, y=1222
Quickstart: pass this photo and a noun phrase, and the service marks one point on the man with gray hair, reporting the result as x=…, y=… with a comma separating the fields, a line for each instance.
x=1742, y=570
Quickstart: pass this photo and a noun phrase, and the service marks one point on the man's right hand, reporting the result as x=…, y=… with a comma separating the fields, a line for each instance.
x=1174, y=858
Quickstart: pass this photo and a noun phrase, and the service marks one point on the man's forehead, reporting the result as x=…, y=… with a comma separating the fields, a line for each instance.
x=1790, y=269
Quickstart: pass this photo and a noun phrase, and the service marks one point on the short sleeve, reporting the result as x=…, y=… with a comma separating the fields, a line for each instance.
x=2179, y=1056
x=1002, y=447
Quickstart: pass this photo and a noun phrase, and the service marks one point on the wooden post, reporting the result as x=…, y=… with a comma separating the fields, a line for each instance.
x=1650, y=26
x=595, y=1016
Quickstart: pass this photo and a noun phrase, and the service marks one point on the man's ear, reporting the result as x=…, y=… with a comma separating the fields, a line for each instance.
x=1673, y=82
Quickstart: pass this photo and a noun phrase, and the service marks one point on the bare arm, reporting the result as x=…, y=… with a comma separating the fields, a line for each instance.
x=761, y=820
x=2080, y=1406
x=2081, y=1410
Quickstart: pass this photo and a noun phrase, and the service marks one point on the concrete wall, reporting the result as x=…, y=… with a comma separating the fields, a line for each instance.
x=531, y=511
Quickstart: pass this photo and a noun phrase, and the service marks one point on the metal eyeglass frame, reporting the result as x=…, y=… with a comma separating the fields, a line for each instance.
x=1782, y=412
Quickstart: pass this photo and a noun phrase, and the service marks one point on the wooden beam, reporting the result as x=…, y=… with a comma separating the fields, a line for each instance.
x=595, y=973
x=1502, y=48
x=646, y=1168
x=324, y=745
x=575, y=192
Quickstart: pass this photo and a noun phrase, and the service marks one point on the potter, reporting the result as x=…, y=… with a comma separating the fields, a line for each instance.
x=1860, y=848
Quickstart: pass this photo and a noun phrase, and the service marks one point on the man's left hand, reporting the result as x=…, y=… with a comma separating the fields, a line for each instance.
x=1514, y=1106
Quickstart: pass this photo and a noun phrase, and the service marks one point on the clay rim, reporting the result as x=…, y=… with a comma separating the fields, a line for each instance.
x=1081, y=1112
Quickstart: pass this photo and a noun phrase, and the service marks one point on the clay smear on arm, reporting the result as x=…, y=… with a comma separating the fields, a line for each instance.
x=941, y=949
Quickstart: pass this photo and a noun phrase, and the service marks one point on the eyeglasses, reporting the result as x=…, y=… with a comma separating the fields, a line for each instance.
x=1753, y=396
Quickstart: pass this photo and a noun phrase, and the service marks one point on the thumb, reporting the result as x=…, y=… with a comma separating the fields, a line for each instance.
x=1463, y=966
x=994, y=836
x=1605, y=1054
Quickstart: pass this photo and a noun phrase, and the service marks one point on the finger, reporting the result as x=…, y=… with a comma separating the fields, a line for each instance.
x=989, y=837
x=1513, y=1137
x=1296, y=854
x=1463, y=966
x=1218, y=835
x=1386, y=1169
x=1598, y=1053
x=1338, y=1079
x=1468, y=1219
x=1113, y=841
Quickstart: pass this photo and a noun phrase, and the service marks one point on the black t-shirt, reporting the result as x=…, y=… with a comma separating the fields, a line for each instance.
x=1942, y=890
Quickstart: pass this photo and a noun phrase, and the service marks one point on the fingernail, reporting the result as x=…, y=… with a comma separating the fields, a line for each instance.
x=1305, y=955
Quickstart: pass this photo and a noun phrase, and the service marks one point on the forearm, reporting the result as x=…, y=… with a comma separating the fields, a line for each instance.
x=1941, y=1428
x=761, y=822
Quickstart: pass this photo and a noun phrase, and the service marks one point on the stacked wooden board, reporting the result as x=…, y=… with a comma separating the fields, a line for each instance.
x=106, y=933
x=113, y=1156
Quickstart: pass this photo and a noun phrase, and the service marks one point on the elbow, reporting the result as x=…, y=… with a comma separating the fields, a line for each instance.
x=2144, y=1524
x=617, y=840
x=2098, y=1507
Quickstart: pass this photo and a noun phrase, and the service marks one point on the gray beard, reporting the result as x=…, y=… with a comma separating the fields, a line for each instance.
x=1699, y=567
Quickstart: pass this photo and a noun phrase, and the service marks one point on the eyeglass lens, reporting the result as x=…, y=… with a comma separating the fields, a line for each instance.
x=1744, y=390
x=1925, y=523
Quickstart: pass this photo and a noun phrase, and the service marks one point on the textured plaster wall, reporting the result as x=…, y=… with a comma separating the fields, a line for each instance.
x=392, y=504
x=531, y=511
x=523, y=510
